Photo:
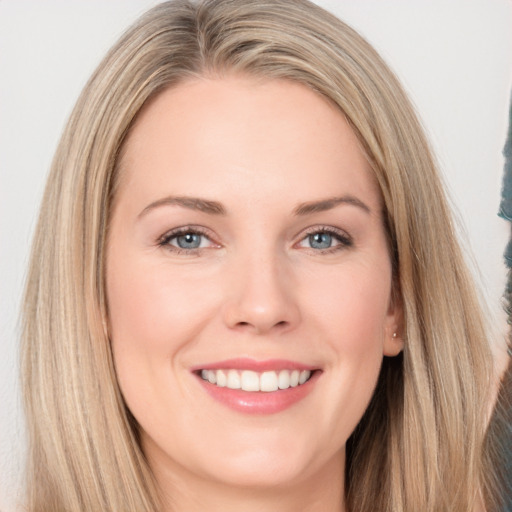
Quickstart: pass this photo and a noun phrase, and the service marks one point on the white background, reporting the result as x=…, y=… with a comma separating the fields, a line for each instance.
x=454, y=57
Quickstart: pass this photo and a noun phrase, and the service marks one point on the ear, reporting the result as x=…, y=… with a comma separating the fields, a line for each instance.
x=394, y=326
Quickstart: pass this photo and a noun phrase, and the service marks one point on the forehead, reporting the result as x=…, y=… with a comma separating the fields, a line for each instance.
x=205, y=134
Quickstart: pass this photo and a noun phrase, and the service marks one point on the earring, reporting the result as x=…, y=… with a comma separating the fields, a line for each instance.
x=394, y=335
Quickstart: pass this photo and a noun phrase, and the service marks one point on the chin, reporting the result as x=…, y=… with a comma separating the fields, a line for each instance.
x=278, y=462
x=260, y=473
x=248, y=462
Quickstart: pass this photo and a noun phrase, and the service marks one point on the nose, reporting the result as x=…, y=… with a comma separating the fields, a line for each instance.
x=262, y=297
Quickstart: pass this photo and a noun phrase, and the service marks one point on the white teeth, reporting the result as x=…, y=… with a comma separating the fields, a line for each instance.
x=233, y=380
x=268, y=381
x=303, y=377
x=222, y=379
x=284, y=379
x=248, y=380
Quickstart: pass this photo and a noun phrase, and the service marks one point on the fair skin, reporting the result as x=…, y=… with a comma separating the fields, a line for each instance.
x=247, y=234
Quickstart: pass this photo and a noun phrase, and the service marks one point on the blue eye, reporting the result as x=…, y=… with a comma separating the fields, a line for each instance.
x=320, y=240
x=188, y=241
x=326, y=240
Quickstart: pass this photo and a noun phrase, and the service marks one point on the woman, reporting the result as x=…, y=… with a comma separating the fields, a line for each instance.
x=245, y=289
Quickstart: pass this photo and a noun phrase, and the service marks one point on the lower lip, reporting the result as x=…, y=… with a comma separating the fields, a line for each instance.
x=260, y=402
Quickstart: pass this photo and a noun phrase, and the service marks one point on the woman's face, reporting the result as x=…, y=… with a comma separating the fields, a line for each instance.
x=247, y=251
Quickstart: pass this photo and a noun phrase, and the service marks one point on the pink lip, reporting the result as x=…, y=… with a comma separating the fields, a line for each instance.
x=256, y=366
x=258, y=402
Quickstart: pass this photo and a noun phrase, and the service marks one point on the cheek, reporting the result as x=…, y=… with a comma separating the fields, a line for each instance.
x=351, y=315
x=353, y=306
x=155, y=309
x=155, y=315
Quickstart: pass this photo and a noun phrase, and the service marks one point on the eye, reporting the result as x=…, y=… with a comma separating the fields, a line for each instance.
x=326, y=240
x=186, y=240
x=320, y=240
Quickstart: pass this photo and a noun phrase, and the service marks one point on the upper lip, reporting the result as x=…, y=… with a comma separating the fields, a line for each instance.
x=254, y=365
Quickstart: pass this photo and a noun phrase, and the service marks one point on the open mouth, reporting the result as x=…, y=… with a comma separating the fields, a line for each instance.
x=248, y=380
x=260, y=387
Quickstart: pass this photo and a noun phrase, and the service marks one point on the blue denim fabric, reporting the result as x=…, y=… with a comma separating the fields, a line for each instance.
x=505, y=212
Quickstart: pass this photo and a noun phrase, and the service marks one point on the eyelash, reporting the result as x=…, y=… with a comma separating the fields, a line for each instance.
x=165, y=239
x=345, y=241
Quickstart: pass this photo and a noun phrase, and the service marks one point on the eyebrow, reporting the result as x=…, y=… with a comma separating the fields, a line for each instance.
x=327, y=204
x=216, y=208
x=192, y=203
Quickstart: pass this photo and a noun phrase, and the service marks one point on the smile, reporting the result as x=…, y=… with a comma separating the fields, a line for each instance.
x=248, y=380
x=257, y=387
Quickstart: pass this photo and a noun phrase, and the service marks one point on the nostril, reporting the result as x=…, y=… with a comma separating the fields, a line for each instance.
x=257, y=325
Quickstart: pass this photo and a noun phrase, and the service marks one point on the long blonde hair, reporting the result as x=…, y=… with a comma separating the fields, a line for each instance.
x=418, y=445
